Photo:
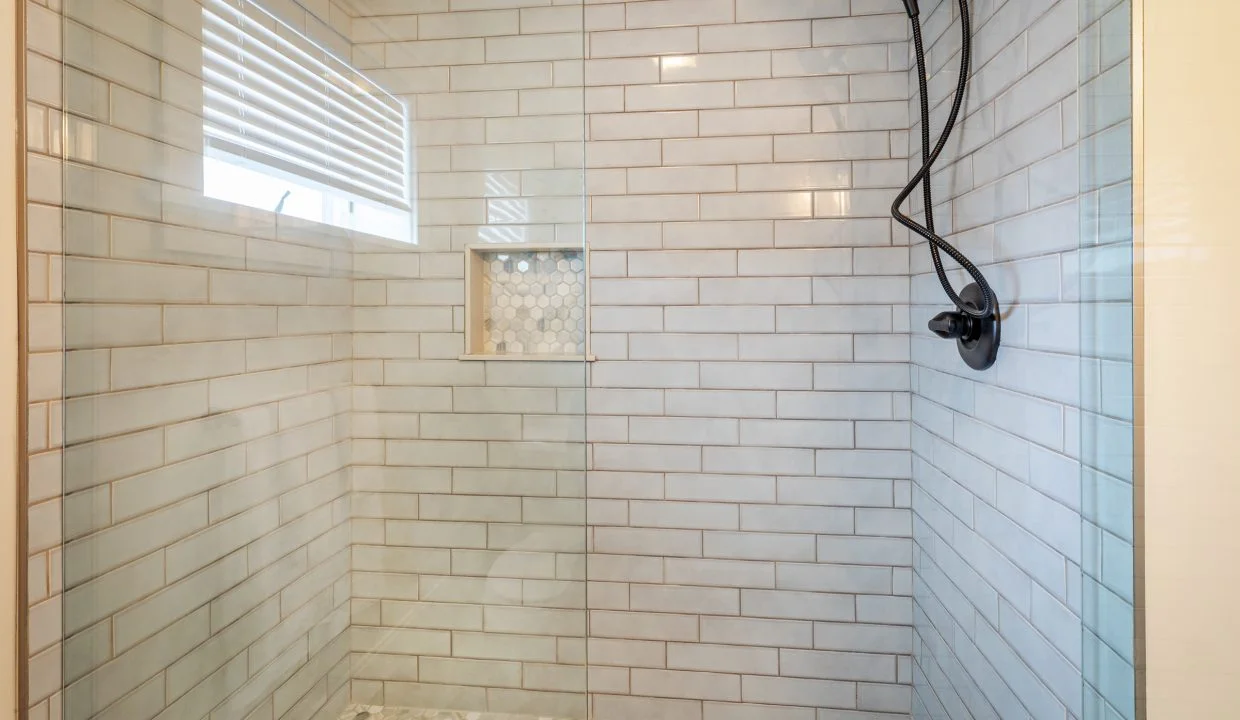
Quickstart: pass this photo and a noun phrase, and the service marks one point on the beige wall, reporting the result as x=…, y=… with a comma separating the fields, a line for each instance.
x=1191, y=151
x=8, y=362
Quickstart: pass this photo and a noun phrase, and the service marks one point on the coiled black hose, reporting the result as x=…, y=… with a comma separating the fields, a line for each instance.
x=937, y=244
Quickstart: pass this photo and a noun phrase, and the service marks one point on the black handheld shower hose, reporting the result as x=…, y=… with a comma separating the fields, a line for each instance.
x=979, y=305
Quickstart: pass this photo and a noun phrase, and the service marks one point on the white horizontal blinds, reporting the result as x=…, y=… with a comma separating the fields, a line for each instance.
x=284, y=103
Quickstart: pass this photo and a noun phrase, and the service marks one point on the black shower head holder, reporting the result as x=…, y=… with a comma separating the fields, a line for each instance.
x=975, y=324
x=977, y=339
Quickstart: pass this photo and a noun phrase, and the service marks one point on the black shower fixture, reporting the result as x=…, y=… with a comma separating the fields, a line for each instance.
x=975, y=324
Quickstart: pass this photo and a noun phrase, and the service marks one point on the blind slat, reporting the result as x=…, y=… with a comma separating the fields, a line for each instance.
x=349, y=172
x=249, y=52
x=286, y=161
x=231, y=58
x=247, y=110
x=269, y=101
x=252, y=89
x=256, y=31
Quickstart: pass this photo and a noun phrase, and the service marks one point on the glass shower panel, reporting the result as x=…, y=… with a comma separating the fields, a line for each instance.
x=208, y=366
x=469, y=349
x=1105, y=274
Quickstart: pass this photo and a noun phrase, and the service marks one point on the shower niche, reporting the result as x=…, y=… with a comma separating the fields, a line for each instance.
x=526, y=302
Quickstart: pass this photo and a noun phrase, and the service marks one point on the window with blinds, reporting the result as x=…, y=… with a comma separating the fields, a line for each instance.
x=291, y=128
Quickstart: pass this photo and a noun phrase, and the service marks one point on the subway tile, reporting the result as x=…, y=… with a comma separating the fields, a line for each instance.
x=634, y=71
x=853, y=637
x=645, y=208
x=718, y=319
x=682, y=347
x=838, y=233
x=758, y=546
x=840, y=319
x=671, y=683
x=684, y=599
x=645, y=375
x=832, y=147
x=107, y=281
x=634, y=126
x=817, y=348
x=753, y=121
x=673, y=180
x=548, y=46
x=619, y=707
x=859, y=550
x=784, y=461
x=666, y=13
x=878, y=114
x=754, y=36
x=796, y=433
x=834, y=578
x=717, y=151
x=409, y=694
x=884, y=698
x=793, y=176
x=642, y=42
x=719, y=235
x=860, y=30
x=642, y=626
x=796, y=691
x=753, y=206
x=716, y=66
x=723, y=573
x=752, y=291
x=425, y=53
x=721, y=403
x=735, y=711
x=838, y=665
x=648, y=541
x=540, y=20
x=884, y=609
x=774, y=92
x=468, y=24
x=706, y=516
x=679, y=96
x=756, y=10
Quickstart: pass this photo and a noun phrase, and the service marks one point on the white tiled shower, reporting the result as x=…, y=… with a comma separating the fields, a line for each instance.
x=271, y=480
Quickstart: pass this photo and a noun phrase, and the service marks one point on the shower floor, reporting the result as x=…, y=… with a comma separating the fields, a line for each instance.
x=374, y=712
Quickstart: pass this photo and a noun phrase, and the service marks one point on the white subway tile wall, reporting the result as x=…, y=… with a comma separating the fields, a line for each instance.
x=749, y=522
x=1022, y=494
x=190, y=384
x=773, y=496
x=748, y=415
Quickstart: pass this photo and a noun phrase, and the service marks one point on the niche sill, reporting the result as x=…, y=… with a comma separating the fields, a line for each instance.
x=529, y=358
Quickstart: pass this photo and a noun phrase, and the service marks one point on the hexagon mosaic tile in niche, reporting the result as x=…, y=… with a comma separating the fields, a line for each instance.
x=535, y=303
